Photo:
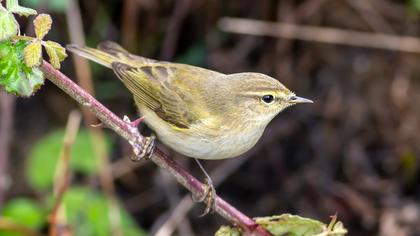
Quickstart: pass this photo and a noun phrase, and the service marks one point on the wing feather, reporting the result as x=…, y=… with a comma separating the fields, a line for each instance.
x=150, y=84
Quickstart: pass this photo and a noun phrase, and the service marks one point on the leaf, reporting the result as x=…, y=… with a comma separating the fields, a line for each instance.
x=42, y=25
x=33, y=53
x=43, y=157
x=287, y=224
x=227, y=231
x=25, y=212
x=11, y=3
x=56, y=53
x=13, y=6
x=23, y=11
x=15, y=76
x=8, y=24
x=88, y=212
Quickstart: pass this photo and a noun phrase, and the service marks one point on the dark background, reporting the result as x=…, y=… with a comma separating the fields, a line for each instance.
x=354, y=152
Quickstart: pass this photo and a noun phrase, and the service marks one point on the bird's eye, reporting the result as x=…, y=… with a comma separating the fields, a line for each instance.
x=267, y=98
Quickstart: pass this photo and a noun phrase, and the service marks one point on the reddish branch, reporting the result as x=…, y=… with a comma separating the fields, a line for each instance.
x=125, y=130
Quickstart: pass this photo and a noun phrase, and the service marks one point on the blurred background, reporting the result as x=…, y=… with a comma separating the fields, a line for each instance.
x=354, y=152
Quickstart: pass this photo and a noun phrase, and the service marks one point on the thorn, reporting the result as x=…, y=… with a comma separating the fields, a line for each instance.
x=99, y=125
x=136, y=122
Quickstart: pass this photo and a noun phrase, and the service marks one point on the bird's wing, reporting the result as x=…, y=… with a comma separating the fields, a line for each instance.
x=154, y=85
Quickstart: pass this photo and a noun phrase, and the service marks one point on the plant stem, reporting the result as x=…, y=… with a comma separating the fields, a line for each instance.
x=132, y=135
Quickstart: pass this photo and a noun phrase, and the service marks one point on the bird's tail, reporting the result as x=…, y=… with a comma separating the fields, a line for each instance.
x=96, y=55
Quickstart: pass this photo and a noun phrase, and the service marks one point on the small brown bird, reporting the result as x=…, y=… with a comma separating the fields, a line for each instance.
x=197, y=112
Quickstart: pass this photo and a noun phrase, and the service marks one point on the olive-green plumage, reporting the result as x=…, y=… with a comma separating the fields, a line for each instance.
x=198, y=112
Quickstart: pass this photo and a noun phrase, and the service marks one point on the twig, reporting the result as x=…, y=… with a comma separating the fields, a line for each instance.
x=132, y=135
x=62, y=173
x=7, y=104
x=83, y=72
x=320, y=34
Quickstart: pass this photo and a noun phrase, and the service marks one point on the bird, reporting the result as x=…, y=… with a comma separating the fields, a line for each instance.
x=197, y=112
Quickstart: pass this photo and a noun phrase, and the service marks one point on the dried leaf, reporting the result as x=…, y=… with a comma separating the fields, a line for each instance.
x=42, y=25
x=33, y=53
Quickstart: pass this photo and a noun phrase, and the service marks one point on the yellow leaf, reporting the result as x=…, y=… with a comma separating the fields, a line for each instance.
x=56, y=53
x=42, y=25
x=32, y=54
x=60, y=50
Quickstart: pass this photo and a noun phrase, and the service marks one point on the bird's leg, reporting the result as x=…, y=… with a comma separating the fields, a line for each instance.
x=209, y=195
x=148, y=145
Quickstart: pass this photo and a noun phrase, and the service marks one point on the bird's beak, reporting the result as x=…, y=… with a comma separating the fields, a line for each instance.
x=296, y=99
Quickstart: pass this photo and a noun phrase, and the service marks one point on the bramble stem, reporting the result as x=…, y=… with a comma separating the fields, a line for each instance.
x=132, y=135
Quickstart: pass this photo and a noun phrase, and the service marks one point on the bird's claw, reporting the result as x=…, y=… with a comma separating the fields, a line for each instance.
x=143, y=147
x=147, y=150
x=209, y=197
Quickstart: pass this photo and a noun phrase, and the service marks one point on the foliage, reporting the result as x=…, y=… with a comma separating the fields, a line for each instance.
x=287, y=224
x=15, y=76
x=8, y=23
x=43, y=158
x=20, y=56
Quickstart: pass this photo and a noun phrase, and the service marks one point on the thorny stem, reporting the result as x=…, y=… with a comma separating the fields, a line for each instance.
x=132, y=135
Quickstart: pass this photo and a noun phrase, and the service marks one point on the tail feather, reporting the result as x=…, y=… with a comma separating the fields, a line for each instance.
x=93, y=54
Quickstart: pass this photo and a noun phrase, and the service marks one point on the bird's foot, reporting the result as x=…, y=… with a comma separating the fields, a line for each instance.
x=143, y=147
x=148, y=148
x=209, y=197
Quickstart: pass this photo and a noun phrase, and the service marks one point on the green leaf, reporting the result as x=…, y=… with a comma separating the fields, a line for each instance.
x=56, y=53
x=15, y=76
x=23, y=11
x=33, y=53
x=227, y=231
x=287, y=224
x=25, y=212
x=42, y=24
x=8, y=24
x=13, y=6
x=87, y=211
x=43, y=158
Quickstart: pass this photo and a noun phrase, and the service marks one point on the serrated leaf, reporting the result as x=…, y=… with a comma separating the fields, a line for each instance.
x=42, y=25
x=287, y=224
x=33, y=53
x=56, y=52
x=54, y=60
x=15, y=76
x=8, y=24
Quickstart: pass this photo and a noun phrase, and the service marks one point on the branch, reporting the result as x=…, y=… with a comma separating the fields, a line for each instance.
x=320, y=34
x=132, y=135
